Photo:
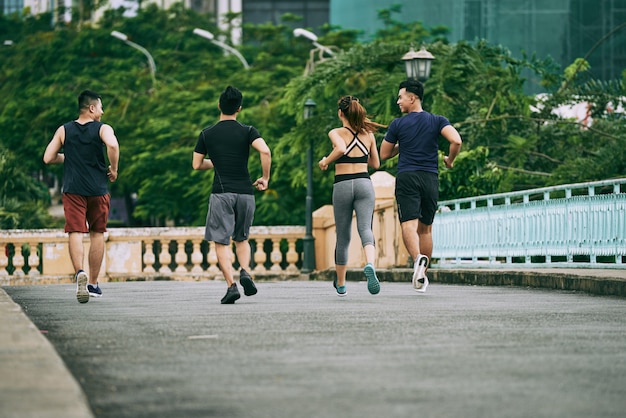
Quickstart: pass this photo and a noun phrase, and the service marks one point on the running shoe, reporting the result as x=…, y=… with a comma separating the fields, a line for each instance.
x=94, y=291
x=373, y=285
x=420, y=281
x=82, y=295
x=232, y=294
x=341, y=290
x=249, y=288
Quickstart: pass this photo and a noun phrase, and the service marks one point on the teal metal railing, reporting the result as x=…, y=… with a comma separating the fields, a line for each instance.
x=573, y=225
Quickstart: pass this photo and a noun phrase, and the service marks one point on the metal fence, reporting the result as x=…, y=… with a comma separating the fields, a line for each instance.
x=573, y=225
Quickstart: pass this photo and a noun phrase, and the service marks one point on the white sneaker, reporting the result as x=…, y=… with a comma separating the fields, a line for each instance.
x=420, y=281
x=82, y=294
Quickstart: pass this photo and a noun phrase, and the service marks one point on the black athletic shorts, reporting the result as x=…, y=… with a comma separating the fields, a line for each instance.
x=417, y=193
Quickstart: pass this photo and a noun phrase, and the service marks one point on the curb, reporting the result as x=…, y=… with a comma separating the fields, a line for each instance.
x=35, y=381
x=593, y=281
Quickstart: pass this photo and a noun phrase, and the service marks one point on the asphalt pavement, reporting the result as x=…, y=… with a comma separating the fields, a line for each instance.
x=169, y=349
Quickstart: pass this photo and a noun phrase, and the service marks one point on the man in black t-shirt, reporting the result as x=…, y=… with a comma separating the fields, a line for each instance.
x=231, y=204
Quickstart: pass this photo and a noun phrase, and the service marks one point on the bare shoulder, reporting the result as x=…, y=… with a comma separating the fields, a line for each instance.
x=106, y=127
x=334, y=131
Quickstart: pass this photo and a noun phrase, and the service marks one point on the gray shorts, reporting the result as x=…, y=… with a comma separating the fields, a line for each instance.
x=229, y=215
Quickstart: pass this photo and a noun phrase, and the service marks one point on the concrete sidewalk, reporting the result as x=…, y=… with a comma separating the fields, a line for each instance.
x=34, y=381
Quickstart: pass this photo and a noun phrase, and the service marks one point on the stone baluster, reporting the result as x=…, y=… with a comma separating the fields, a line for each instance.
x=165, y=258
x=33, y=260
x=181, y=257
x=196, y=256
x=212, y=259
x=4, y=260
x=259, y=256
x=149, y=257
x=275, y=256
x=18, y=261
x=292, y=255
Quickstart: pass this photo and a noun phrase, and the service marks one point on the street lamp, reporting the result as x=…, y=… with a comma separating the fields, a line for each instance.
x=418, y=64
x=208, y=35
x=319, y=49
x=122, y=37
x=308, y=242
x=313, y=38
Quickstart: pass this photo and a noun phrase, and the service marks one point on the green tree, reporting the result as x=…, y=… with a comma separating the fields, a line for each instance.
x=478, y=86
x=23, y=199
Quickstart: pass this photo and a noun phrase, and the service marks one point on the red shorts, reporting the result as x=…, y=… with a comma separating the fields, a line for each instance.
x=86, y=213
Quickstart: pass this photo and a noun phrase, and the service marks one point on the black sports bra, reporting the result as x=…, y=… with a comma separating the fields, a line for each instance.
x=355, y=143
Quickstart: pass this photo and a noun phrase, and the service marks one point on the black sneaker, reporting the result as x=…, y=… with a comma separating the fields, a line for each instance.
x=245, y=280
x=232, y=294
x=94, y=291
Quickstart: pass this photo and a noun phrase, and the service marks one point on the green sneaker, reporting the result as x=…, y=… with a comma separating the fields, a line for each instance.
x=373, y=285
x=341, y=290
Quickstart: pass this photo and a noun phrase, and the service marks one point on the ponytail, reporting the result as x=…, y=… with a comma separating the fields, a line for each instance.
x=356, y=115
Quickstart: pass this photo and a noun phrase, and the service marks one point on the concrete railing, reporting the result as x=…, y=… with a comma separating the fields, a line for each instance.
x=42, y=256
x=579, y=225
x=180, y=253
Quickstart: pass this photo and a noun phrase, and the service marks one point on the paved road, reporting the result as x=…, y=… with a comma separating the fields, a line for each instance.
x=169, y=349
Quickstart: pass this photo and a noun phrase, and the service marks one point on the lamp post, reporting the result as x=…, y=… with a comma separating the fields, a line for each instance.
x=313, y=38
x=418, y=64
x=308, y=242
x=208, y=35
x=319, y=49
x=122, y=37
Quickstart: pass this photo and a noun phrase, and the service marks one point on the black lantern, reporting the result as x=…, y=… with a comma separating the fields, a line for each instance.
x=309, y=107
x=418, y=64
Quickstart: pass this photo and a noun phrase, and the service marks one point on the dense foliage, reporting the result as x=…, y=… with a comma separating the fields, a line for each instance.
x=478, y=86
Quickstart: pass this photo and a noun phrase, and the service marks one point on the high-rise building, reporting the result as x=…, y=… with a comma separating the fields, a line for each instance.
x=562, y=29
x=314, y=12
x=11, y=6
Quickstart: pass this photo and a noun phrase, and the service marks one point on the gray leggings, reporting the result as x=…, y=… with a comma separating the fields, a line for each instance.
x=356, y=195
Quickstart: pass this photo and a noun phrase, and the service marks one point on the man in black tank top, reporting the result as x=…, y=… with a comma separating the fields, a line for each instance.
x=86, y=198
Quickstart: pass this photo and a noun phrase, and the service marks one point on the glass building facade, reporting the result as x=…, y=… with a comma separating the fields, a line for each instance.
x=562, y=29
x=11, y=6
x=314, y=12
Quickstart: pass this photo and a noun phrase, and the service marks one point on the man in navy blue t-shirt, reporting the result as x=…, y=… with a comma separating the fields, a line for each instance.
x=415, y=138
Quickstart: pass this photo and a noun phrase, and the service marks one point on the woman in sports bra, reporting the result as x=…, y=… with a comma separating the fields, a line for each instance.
x=354, y=149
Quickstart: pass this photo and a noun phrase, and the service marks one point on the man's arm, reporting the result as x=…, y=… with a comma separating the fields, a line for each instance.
x=113, y=150
x=388, y=150
x=454, y=138
x=200, y=163
x=51, y=155
x=266, y=163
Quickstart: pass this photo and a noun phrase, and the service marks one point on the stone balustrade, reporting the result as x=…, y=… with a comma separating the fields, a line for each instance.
x=42, y=256
x=180, y=253
x=571, y=229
